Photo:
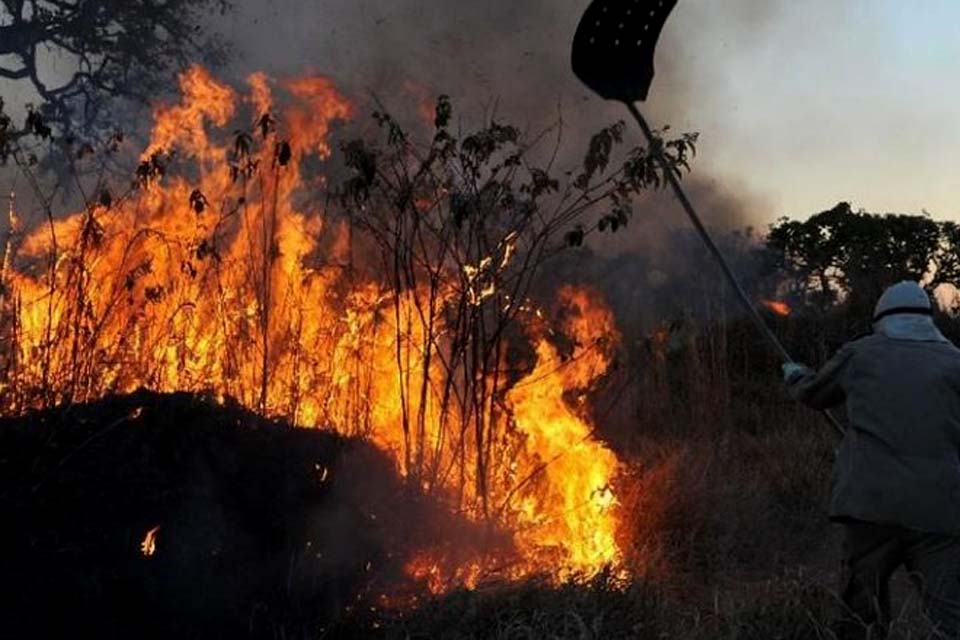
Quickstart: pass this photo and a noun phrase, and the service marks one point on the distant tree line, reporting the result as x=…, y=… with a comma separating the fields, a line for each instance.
x=846, y=257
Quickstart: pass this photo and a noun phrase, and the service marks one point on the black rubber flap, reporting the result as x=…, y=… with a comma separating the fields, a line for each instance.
x=614, y=46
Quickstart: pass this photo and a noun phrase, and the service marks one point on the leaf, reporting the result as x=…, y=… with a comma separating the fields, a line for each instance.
x=151, y=169
x=283, y=153
x=444, y=112
x=242, y=144
x=575, y=237
x=266, y=124
x=598, y=153
x=36, y=125
x=198, y=201
x=540, y=183
x=396, y=136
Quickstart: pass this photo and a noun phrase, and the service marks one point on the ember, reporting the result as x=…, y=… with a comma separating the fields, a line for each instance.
x=149, y=545
x=781, y=309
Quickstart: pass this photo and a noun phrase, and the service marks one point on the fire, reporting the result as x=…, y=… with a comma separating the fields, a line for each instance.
x=778, y=307
x=576, y=502
x=426, y=569
x=221, y=272
x=149, y=545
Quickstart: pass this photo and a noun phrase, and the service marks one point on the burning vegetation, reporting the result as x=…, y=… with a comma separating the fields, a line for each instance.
x=149, y=545
x=290, y=373
x=777, y=307
x=396, y=307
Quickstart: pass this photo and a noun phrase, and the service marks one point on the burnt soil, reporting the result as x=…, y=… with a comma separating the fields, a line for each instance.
x=264, y=529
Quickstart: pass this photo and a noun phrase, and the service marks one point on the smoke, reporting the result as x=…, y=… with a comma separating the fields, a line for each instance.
x=503, y=55
x=473, y=51
x=516, y=52
x=514, y=57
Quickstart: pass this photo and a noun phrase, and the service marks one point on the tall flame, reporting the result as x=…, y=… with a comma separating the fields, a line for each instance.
x=220, y=274
x=576, y=501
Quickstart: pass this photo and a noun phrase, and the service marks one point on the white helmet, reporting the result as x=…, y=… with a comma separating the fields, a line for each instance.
x=903, y=297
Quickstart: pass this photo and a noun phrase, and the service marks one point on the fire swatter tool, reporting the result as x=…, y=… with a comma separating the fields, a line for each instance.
x=613, y=53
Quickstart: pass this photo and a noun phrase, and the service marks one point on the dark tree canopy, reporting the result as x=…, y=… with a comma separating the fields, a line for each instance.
x=848, y=255
x=102, y=49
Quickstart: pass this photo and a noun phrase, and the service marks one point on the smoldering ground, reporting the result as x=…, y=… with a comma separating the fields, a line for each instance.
x=255, y=521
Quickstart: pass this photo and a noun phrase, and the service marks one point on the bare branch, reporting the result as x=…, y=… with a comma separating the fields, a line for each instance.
x=124, y=48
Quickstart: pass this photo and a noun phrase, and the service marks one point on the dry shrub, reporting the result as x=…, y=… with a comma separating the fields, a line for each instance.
x=711, y=504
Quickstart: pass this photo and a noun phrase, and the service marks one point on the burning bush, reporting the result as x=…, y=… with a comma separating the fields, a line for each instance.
x=397, y=307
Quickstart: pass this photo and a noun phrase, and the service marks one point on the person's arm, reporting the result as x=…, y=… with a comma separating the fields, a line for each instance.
x=822, y=389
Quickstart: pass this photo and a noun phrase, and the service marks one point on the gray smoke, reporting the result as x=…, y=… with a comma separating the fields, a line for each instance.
x=514, y=52
x=514, y=57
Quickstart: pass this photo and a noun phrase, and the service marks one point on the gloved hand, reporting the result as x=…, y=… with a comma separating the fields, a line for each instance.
x=792, y=371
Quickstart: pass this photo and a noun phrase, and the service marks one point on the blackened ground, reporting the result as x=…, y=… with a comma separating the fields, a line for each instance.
x=262, y=527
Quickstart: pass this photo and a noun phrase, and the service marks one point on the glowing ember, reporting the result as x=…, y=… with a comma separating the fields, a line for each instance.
x=211, y=277
x=780, y=308
x=431, y=572
x=149, y=545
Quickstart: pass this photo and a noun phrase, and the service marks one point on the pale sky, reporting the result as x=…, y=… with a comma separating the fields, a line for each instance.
x=832, y=100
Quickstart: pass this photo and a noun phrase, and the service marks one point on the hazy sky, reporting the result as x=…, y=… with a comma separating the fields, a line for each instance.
x=835, y=99
x=799, y=104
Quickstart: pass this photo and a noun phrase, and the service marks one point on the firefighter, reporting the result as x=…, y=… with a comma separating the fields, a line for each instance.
x=896, y=480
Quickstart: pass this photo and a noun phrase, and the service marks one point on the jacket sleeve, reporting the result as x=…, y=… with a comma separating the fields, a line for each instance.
x=823, y=389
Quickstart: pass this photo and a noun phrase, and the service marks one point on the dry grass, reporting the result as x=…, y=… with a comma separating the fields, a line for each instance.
x=790, y=606
x=727, y=532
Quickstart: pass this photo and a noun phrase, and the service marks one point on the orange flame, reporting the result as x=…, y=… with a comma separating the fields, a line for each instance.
x=778, y=307
x=149, y=545
x=576, y=501
x=206, y=279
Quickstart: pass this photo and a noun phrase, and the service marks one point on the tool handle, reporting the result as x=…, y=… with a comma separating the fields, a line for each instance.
x=712, y=247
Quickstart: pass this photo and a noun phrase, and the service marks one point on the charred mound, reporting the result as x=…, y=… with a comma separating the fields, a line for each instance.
x=263, y=528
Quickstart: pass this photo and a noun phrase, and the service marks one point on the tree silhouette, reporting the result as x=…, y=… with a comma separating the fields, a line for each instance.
x=842, y=255
x=101, y=49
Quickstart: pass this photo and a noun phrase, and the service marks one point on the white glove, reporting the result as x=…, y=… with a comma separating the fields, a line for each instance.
x=792, y=371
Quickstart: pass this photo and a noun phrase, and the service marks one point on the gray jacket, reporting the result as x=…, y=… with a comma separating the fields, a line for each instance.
x=899, y=463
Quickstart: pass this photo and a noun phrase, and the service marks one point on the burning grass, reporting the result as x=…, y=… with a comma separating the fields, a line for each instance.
x=396, y=307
